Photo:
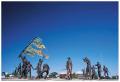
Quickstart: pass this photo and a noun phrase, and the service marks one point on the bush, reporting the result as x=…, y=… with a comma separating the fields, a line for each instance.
x=53, y=75
x=115, y=77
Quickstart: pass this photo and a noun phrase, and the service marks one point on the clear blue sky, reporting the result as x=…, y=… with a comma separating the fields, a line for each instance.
x=76, y=30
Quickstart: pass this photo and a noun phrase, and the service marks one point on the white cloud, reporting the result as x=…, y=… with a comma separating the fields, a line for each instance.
x=78, y=72
x=62, y=72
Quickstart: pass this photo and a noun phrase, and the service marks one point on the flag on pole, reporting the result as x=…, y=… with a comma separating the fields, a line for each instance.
x=32, y=51
x=39, y=52
x=46, y=56
x=38, y=43
x=41, y=46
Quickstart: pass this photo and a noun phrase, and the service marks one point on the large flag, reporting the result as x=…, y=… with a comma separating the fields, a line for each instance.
x=30, y=51
x=38, y=43
x=46, y=56
x=35, y=47
x=39, y=52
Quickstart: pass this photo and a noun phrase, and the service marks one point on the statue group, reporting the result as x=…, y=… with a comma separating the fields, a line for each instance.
x=24, y=70
x=90, y=71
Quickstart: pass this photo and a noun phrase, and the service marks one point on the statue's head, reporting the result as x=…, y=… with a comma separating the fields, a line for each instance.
x=98, y=62
x=85, y=59
x=69, y=58
x=40, y=60
x=103, y=65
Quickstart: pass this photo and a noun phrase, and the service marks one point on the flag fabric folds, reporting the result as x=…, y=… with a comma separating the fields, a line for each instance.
x=35, y=47
x=38, y=43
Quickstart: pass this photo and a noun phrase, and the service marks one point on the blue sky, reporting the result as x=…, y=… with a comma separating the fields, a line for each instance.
x=68, y=29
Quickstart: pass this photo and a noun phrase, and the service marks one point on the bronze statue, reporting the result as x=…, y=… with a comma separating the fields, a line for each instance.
x=88, y=68
x=69, y=68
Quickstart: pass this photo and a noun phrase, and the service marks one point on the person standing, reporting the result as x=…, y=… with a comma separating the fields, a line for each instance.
x=99, y=70
x=24, y=66
x=88, y=68
x=19, y=70
x=46, y=69
x=105, y=69
x=69, y=68
x=93, y=72
x=39, y=69
x=29, y=66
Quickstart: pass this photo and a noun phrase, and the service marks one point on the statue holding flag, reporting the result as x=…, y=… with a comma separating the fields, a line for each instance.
x=29, y=66
x=35, y=47
x=24, y=66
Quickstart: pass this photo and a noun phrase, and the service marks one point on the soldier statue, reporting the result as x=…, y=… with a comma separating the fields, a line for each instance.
x=105, y=69
x=29, y=66
x=88, y=68
x=46, y=69
x=99, y=70
x=24, y=66
x=19, y=70
x=16, y=72
x=69, y=68
x=93, y=72
x=39, y=69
